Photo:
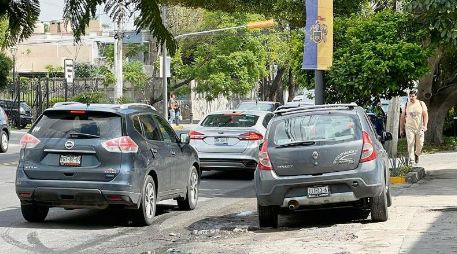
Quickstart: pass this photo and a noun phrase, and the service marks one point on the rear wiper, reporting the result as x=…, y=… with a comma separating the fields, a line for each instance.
x=300, y=143
x=82, y=135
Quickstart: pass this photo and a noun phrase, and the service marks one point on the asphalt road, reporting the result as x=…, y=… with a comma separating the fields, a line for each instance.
x=73, y=231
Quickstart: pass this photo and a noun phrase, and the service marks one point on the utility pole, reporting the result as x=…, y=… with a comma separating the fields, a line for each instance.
x=319, y=87
x=118, y=40
x=164, y=67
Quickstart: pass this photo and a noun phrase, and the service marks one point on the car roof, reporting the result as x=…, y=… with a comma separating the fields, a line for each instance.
x=113, y=108
x=312, y=108
x=260, y=102
x=252, y=112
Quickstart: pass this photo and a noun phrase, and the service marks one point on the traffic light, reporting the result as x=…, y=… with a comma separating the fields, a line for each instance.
x=260, y=24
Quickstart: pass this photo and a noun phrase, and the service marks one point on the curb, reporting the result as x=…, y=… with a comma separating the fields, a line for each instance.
x=414, y=176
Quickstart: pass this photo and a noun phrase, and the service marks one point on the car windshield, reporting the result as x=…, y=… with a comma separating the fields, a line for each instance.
x=230, y=120
x=256, y=106
x=317, y=128
x=25, y=106
x=62, y=124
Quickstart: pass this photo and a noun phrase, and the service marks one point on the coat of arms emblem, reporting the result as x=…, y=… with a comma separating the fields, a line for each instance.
x=318, y=32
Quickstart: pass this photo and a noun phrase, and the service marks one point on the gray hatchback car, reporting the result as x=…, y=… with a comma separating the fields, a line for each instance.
x=322, y=157
x=97, y=156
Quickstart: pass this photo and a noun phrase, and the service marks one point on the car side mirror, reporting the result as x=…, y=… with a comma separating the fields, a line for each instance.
x=386, y=136
x=184, y=137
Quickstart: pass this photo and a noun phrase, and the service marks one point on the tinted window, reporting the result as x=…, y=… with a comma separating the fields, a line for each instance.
x=151, y=130
x=230, y=120
x=256, y=106
x=167, y=132
x=59, y=124
x=322, y=128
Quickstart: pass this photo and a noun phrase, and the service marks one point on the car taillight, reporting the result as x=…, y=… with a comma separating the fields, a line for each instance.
x=264, y=159
x=251, y=136
x=77, y=112
x=196, y=135
x=368, y=151
x=29, y=141
x=121, y=145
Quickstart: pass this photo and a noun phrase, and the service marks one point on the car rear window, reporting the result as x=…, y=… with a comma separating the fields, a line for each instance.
x=256, y=106
x=230, y=120
x=317, y=127
x=59, y=124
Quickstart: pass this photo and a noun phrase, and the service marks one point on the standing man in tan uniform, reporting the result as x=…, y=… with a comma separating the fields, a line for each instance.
x=413, y=122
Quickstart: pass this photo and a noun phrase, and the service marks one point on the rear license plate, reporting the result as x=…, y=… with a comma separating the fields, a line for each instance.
x=70, y=160
x=220, y=141
x=318, y=191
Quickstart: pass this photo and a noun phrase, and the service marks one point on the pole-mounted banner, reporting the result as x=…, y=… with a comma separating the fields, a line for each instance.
x=318, y=53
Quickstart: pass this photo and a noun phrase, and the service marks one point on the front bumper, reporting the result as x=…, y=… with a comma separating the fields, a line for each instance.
x=344, y=187
x=74, y=194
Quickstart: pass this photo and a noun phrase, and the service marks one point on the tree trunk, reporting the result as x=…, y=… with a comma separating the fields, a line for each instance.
x=439, y=106
x=275, y=86
x=291, y=86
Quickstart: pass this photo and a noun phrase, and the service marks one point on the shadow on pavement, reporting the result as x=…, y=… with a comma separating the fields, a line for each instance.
x=82, y=219
x=236, y=174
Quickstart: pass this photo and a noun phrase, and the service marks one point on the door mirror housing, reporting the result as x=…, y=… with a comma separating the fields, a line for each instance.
x=184, y=138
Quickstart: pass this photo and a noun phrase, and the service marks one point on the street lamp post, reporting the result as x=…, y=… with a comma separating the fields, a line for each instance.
x=17, y=88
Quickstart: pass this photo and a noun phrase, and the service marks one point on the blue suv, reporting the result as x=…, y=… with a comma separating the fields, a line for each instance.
x=102, y=155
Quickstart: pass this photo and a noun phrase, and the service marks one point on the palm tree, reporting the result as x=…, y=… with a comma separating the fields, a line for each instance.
x=23, y=14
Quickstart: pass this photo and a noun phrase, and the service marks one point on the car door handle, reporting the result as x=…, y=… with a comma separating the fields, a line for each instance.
x=173, y=153
x=153, y=150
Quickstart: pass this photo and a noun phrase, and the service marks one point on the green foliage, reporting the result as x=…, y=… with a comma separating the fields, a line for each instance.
x=403, y=170
x=21, y=16
x=439, y=16
x=124, y=100
x=379, y=54
x=5, y=67
x=90, y=97
x=133, y=73
x=53, y=70
x=85, y=70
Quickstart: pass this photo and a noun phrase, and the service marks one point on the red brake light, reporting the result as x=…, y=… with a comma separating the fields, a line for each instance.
x=264, y=159
x=233, y=114
x=121, y=145
x=29, y=141
x=368, y=151
x=77, y=112
x=196, y=135
x=251, y=136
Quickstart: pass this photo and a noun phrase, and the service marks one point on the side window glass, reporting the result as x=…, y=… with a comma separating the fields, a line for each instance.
x=167, y=132
x=151, y=130
x=137, y=124
x=267, y=119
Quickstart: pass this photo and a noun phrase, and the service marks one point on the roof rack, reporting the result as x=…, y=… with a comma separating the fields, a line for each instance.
x=66, y=103
x=318, y=107
x=143, y=105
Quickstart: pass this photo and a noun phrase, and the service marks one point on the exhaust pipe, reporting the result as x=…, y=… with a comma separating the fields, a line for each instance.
x=293, y=204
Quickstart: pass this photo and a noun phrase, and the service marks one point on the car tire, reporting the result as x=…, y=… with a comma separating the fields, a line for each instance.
x=3, y=141
x=145, y=215
x=34, y=213
x=191, y=199
x=379, y=207
x=268, y=216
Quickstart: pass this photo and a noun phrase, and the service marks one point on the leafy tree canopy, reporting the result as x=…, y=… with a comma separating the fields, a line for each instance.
x=375, y=55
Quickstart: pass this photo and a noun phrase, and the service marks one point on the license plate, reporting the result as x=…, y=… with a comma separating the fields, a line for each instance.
x=318, y=191
x=70, y=160
x=220, y=141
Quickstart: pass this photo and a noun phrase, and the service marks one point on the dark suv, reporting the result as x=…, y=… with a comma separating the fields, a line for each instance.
x=4, y=131
x=96, y=156
x=11, y=108
x=318, y=157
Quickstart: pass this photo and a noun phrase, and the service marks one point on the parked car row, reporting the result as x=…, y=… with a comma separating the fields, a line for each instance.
x=11, y=109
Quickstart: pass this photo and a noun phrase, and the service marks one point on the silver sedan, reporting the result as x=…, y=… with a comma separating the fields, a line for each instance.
x=230, y=139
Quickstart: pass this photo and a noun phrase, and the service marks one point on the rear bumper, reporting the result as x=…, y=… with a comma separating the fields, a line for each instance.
x=344, y=187
x=227, y=161
x=74, y=194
